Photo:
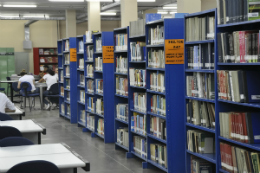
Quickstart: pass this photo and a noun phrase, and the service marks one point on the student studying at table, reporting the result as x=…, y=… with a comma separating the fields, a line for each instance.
x=5, y=104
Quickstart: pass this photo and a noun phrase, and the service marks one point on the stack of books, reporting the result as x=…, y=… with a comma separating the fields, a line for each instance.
x=138, y=52
x=90, y=86
x=156, y=58
x=68, y=96
x=122, y=136
x=89, y=36
x=67, y=58
x=121, y=42
x=200, y=28
x=67, y=83
x=82, y=79
x=157, y=82
x=67, y=68
x=159, y=154
x=122, y=112
x=91, y=104
x=81, y=63
x=121, y=64
x=82, y=96
x=200, y=165
x=99, y=64
x=156, y=35
x=99, y=44
x=90, y=70
x=201, y=85
x=99, y=86
x=158, y=105
x=83, y=116
x=81, y=46
x=100, y=126
x=100, y=106
x=158, y=127
x=90, y=52
x=61, y=76
x=62, y=91
x=90, y=122
x=137, y=28
x=138, y=123
x=137, y=77
x=140, y=146
x=201, y=113
x=67, y=45
x=68, y=110
x=62, y=108
x=121, y=86
x=139, y=100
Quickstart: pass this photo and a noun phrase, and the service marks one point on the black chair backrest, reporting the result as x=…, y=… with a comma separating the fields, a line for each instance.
x=6, y=131
x=26, y=87
x=15, y=141
x=39, y=166
x=8, y=78
x=5, y=117
x=14, y=86
x=54, y=89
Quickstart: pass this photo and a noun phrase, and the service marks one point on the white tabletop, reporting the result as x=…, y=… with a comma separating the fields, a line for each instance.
x=18, y=111
x=38, y=85
x=24, y=126
x=32, y=150
x=62, y=161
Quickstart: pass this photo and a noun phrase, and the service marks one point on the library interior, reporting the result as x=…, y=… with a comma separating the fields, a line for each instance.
x=130, y=86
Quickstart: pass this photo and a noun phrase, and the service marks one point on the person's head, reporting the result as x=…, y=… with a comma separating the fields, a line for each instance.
x=46, y=68
x=23, y=73
x=56, y=70
x=49, y=71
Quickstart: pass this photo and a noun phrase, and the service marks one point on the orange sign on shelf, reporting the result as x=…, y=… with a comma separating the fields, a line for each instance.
x=174, y=51
x=108, y=54
x=73, y=55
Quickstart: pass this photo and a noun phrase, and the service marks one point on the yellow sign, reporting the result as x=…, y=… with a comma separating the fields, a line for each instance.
x=108, y=54
x=174, y=51
x=73, y=55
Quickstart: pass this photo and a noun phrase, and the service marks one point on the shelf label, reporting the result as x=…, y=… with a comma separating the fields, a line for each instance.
x=108, y=54
x=174, y=51
x=73, y=55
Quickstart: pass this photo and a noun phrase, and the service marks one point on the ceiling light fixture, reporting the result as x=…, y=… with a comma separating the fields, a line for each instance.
x=172, y=12
x=168, y=7
x=66, y=0
x=140, y=0
x=99, y=0
x=107, y=14
x=23, y=6
x=162, y=12
x=41, y=16
x=16, y=16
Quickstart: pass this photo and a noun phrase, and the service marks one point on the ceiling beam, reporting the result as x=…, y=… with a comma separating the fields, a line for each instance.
x=109, y=6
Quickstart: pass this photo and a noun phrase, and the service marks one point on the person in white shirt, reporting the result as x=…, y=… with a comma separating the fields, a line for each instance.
x=30, y=79
x=57, y=73
x=50, y=78
x=5, y=104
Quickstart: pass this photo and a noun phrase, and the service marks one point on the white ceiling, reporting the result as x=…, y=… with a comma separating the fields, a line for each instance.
x=57, y=9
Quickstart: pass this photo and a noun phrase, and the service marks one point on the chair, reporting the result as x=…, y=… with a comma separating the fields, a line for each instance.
x=8, y=79
x=14, y=87
x=7, y=131
x=15, y=141
x=54, y=93
x=26, y=93
x=39, y=166
x=2, y=90
x=5, y=117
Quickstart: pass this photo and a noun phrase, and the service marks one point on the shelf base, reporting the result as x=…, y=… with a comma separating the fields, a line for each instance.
x=93, y=135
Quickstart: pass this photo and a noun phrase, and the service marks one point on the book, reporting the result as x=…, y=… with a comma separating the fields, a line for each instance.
x=62, y=108
x=157, y=152
x=61, y=76
x=139, y=146
x=81, y=46
x=90, y=52
x=200, y=85
x=81, y=63
x=67, y=83
x=99, y=64
x=157, y=81
x=90, y=121
x=158, y=105
x=90, y=70
x=122, y=136
x=137, y=28
x=68, y=110
x=62, y=91
x=121, y=64
x=83, y=116
x=139, y=101
x=156, y=58
x=82, y=96
x=99, y=86
x=82, y=80
x=121, y=42
x=67, y=58
x=200, y=113
x=200, y=165
x=100, y=106
x=68, y=95
x=158, y=127
x=99, y=44
x=156, y=35
x=90, y=86
x=67, y=45
x=137, y=77
x=88, y=36
x=100, y=126
x=91, y=104
x=139, y=123
x=122, y=112
x=121, y=85
x=138, y=51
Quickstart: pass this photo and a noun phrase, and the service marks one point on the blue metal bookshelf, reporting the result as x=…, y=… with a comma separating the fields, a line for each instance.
x=214, y=157
x=120, y=122
x=69, y=89
x=108, y=85
x=81, y=113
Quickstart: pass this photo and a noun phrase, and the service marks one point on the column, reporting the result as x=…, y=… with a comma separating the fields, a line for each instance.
x=71, y=30
x=94, y=20
x=208, y=4
x=128, y=12
x=188, y=6
x=149, y=11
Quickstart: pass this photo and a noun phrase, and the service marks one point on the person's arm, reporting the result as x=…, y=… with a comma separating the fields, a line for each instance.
x=41, y=80
x=9, y=106
x=19, y=85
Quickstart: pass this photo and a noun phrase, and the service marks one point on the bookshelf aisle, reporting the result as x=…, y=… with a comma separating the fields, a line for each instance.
x=201, y=91
x=81, y=113
x=99, y=87
x=67, y=68
x=121, y=105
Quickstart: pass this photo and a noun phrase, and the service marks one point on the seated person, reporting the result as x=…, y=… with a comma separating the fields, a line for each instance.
x=50, y=78
x=57, y=73
x=41, y=74
x=46, y=68
x=5, y=104
x=30, y=79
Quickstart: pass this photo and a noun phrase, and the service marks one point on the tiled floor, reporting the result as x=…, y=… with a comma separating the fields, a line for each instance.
x=103, y=157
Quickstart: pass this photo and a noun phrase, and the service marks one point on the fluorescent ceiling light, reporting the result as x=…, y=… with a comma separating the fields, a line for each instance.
x=140, y=0
x=107, y=14
x=99, y=0
x=162, y=12
x=66, y=0
x=168, y=7
x=11, y=16
x=38, y=16
x=172, y=12
x=29, y=6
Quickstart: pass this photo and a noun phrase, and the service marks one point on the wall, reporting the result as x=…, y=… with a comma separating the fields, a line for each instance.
x=208, y=4
x=43, y=34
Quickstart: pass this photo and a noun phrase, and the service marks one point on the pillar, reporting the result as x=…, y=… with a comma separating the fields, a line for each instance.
x=71, y=30
x=208, y=4
x=94, y=20
x=128, y=12
x=188, y=6
x=149, y=11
